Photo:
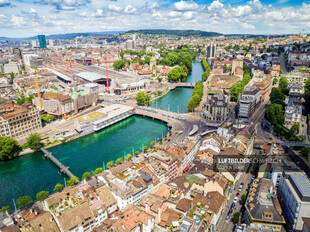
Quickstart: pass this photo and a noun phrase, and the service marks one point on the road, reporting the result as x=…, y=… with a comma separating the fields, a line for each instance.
x=227, y=225
x=282, y=64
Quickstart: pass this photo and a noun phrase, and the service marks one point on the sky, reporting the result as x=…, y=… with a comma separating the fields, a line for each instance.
x=23, y=18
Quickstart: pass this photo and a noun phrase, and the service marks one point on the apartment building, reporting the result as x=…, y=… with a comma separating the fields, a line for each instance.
x=248, y=101
x=18, y=121
x=294, y=195
x=262, y=206
x=216, y=107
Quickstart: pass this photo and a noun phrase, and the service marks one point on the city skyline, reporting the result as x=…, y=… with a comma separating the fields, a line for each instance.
x=24, y=18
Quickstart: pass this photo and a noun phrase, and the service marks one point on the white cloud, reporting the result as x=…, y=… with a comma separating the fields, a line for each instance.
x=32, y=10
x=18, y=21
x=174, y=14
x=241, y=10
x=247, y=26
x=185, y=5
x=99, y=12
x=188, y=15
x=113, y=7
x=215, y=5
x=130, y=9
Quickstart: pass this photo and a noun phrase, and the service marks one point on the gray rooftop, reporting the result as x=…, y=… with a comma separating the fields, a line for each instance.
x=301, y=183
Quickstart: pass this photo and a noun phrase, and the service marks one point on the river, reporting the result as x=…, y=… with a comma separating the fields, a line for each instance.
x=176, y=100
x=30, y=174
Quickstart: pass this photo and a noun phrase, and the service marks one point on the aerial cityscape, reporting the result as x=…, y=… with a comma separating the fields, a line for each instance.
x=142, y=116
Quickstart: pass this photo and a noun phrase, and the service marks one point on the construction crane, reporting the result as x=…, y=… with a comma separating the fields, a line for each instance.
x=38, y=92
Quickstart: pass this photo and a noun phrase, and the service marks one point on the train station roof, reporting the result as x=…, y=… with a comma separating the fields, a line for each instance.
x=90, y=76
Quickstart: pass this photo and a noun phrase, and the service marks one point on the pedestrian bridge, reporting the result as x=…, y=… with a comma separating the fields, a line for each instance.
x=62, y=168
x=182, y=84
x=283, y=143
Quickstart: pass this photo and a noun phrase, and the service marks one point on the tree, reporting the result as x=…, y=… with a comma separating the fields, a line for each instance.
x=119, y=160
x=9, y=148
x=23, y=201
x=275, y=114
x=20, y=100
x=143, y=99
x=86, y=175
x=276, y=96
x=128, y=156
x=47, y=117
x=110, y=164
x=34, y=141
x=307, y=92
x=136, y=153
x=58, y=187
x=283, y=85
x=5, y=209
x=73, y=181
x=42, y=195
x=145, y=148
x=243, y=199
x=97, y=171
x=236, y=217
x=152, y=144
x=119, y=64
x=274, y=81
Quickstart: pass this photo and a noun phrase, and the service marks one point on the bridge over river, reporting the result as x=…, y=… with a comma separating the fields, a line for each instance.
x=182, y=84
x=63, y=169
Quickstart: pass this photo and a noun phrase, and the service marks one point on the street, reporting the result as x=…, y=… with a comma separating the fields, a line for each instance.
x=227, y=225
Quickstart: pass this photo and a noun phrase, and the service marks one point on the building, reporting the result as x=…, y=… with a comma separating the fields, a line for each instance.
x=211, y=51
x=55, y=103
x=32, y=60
x=296, y=93
x=104, y=117
x=133, y=219
x=248, y=101
x=18, y=121
x=216, y=107
x=262, y=206
x=42, y=41
x=11, y=67
x=167, y=162
x=294, y=195
x=293, y=114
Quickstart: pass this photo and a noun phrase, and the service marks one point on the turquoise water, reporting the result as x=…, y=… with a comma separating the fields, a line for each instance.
x=177, y=99
x=30, y=174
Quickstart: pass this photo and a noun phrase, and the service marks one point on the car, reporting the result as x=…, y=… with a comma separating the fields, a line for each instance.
x=236, y=199
x=238, y=195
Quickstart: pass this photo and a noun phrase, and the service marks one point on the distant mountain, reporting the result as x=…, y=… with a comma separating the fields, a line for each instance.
x=65, y=36
x=176, y=32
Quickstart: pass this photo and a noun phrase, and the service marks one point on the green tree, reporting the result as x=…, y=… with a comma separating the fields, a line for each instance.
x=274, y=81
x=5, y=209
x=276, y=96
x=21, y=100
x=128, y=156
x=275, y=114
x=143, y=99
x=119, y=160
x=145, y=148
x=47, y=117
x=236, y=217
x=136, y=153
x=152, y=144
x=110, y=164
x=86, y=175
x=307, y=92
x=23, y=201
x=119, y=64
x=98, y=170
x=73, y=181
x=58, y=187
x=34, y=141
x=42, y=195
x=243, y=199
x=9, y=148
x=29, y=99
x=283, y=85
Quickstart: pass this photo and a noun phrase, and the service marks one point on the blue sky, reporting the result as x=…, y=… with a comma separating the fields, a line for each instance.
x=20, y=18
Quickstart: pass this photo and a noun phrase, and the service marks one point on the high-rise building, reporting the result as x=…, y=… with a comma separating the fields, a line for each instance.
x=42, y=41
x=211, y=51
